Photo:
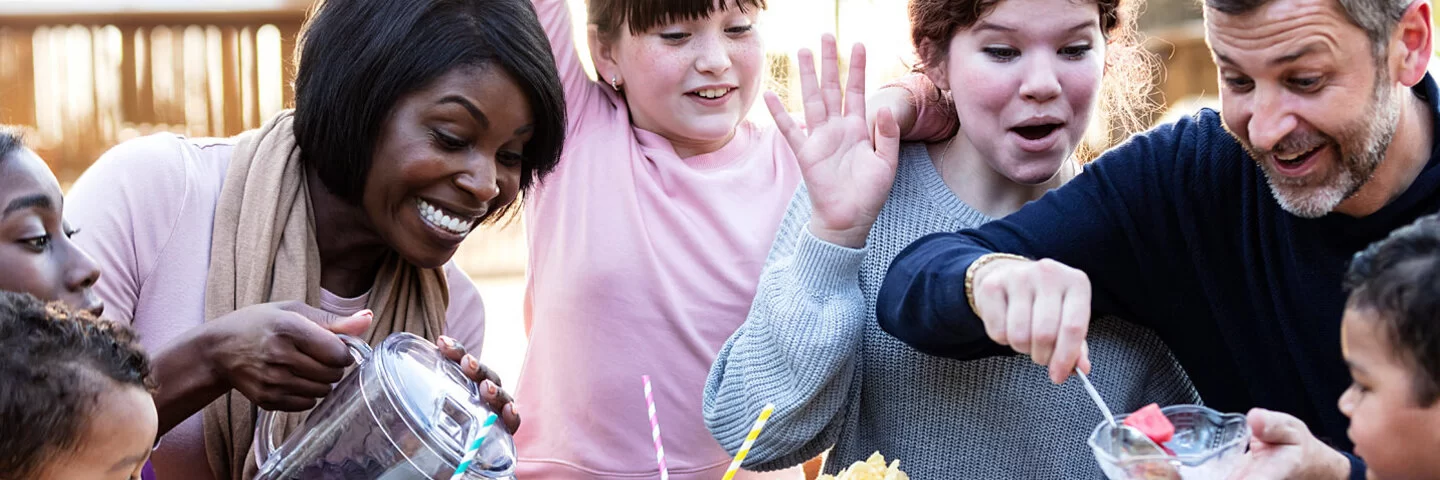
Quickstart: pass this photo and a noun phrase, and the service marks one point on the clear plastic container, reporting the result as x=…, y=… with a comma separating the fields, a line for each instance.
x=1207, y=445
x=406, y=412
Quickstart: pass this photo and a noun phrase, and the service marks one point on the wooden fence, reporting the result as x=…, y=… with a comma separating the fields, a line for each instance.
x=84, y=80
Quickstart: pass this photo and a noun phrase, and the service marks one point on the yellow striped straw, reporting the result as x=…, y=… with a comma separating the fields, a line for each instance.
x=749, y=441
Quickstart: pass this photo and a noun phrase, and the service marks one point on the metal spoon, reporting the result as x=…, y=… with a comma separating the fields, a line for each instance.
x=1095, y=395
x=1130, y=440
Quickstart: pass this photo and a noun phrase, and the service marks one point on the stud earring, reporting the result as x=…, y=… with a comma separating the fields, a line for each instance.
x=615, y=82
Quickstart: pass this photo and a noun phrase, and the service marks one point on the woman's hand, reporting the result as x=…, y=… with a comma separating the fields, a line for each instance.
x=489, y=381
x=847, y=174
x=282, y=356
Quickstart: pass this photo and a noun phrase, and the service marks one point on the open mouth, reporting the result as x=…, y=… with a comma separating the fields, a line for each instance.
x=1294, y=161
x=444, y=219
x=1036, y=132
x=711, y=93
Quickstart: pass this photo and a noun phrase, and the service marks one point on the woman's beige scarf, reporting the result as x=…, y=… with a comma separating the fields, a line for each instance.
x=264, y=251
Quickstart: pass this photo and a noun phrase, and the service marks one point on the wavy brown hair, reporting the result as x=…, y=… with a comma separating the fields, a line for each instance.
x=1125, y=105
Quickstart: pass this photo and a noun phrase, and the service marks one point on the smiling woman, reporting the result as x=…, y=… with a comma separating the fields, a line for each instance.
x=238, y=259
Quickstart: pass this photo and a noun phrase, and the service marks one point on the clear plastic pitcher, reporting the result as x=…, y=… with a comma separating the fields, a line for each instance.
x=405, y=412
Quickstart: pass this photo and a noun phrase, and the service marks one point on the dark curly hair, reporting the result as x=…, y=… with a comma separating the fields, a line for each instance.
x=1398, y=279
x=54, y=365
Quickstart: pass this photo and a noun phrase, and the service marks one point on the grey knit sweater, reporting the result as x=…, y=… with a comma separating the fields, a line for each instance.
x=811, y=346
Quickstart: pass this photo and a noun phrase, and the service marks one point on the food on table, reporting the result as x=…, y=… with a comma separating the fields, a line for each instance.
x=873, y=468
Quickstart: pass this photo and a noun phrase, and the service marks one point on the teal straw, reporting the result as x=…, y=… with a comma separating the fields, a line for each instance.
x=474, y=448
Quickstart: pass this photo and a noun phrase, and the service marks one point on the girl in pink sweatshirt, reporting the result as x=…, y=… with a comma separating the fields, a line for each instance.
x=648, y=239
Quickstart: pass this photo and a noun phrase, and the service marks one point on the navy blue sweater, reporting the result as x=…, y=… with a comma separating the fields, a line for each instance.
x=1177, y=229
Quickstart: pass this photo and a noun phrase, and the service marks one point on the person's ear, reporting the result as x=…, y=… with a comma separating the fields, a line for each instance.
x=602, y=55
x=1410, y=45
x=937, y=71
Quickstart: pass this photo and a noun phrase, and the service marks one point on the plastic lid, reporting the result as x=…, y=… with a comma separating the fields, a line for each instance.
x=440, y=405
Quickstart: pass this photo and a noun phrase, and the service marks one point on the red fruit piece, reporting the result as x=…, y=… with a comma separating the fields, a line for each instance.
x=1150, y=421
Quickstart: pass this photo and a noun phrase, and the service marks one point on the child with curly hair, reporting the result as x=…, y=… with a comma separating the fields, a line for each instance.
x=74, y=394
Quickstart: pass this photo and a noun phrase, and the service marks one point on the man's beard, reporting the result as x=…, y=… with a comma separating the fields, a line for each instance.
x=1361, y=148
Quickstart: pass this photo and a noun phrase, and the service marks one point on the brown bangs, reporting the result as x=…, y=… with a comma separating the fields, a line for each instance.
x=643, y=15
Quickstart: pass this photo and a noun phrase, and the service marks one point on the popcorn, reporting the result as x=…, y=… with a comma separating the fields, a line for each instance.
x=873, y=468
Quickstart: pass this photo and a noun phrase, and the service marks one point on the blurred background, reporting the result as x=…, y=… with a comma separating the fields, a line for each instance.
x=83, y=75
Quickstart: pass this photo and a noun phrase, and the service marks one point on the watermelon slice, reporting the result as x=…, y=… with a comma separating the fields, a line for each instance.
x=1152, y=423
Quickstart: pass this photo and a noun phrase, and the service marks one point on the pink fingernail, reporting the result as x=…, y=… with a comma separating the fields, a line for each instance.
x=365, y=313
x=447, y=341
x=490, y=387
x=472, y=362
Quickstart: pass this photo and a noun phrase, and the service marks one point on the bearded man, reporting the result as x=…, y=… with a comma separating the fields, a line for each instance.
x=1227, y=233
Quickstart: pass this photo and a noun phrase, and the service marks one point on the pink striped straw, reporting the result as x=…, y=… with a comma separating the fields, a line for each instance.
x=655, y=430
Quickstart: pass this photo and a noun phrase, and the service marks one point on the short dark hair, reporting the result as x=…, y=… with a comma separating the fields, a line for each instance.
x=642, y=15
x=1377, y=18
x=54, y=364
x=1398, y=279
x=357, y=58
x=11, y=140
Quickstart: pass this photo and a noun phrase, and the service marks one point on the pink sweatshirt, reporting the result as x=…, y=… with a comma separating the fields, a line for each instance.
x=641, y=263
x=145, y=209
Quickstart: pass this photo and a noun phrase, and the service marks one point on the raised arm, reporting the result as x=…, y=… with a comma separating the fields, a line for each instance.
x=556, y=17
x=1095, y=235
x=923, y=112
x=796, y=349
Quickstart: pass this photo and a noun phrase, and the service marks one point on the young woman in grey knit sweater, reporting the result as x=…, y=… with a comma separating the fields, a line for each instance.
x=1029, y=74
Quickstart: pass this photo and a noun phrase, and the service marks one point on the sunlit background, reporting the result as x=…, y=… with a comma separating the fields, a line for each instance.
x=83, y=75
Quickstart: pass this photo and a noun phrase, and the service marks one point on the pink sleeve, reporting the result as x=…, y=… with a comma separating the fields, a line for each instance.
x=465, y=318
x=581, y=92
x=127, y=205
x=935, y=117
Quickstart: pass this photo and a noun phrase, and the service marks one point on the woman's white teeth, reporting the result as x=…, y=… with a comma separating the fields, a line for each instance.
x=437, y=217
x=712, y=92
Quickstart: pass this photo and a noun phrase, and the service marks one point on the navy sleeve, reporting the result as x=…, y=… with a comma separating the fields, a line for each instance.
x=1101, y=222
x=1357, y=466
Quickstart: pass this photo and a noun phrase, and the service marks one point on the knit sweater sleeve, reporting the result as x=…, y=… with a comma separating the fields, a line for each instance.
x=797, y=349
x=1114, y=222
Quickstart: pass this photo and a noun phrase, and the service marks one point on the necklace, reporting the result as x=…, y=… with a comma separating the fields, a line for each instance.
x=940, y=162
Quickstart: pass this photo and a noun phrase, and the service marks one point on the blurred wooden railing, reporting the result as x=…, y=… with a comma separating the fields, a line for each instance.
x=1188, y=79
x=85, y=77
